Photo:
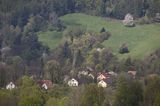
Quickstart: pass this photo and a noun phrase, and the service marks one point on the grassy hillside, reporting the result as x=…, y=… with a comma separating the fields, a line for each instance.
x=142, y=39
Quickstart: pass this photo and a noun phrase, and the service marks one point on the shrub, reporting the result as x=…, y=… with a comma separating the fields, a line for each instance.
x=123, y=49
x=103, y=30
x=75, y=31
x=144, y=20
x=104, y=36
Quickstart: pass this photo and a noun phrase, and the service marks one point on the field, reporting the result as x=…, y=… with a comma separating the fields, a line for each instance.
x=142, y=39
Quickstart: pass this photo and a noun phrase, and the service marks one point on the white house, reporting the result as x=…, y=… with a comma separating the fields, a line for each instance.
x=10, y=86
x=102, y=84
x=45, y=86
x=73, y=82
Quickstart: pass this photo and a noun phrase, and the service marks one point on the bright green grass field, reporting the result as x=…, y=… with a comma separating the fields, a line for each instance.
x=142, y=39
x=50, y=38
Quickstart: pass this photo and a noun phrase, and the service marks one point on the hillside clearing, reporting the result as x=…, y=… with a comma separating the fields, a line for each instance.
x=142, y=39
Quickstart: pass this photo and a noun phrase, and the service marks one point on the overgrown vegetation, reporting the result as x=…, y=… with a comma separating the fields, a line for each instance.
x=57, y=40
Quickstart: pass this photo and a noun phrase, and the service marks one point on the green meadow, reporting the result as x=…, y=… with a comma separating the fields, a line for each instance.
x=141, y=40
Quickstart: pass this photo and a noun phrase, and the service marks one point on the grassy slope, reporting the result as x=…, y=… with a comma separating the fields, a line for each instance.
x=142, y=39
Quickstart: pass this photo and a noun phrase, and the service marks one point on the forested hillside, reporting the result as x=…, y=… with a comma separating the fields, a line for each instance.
x=79, y=52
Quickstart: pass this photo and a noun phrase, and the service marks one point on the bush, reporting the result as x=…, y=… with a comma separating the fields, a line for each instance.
x=75, y=31
x=57, y=102
x=104, y=36
x=144, y=20
x=7, y=98
x=103, y=30
x=123, y=49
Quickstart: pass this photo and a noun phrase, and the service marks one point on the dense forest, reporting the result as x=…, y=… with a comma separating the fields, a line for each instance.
x=25, y=61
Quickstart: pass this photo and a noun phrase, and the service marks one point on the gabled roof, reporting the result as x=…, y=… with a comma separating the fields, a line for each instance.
x=73, y=80
x=91, y=75
x=112, y=73
x=103, y=75
x=90, y=69
x=10, y=86
x=132, y=73
x=10, y=83
x=47, y=82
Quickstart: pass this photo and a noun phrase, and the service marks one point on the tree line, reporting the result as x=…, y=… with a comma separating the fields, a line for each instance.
x=17, y=12
x=127, y=93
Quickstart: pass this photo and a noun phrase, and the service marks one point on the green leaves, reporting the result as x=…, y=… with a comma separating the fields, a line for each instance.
x=57, y=102
x=128, y=93
x=53, y=71
x=31, y=96
x=152, y=92
x=93, y=96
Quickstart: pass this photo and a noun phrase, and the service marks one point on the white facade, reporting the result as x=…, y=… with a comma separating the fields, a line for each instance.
x=73, y=82
x=91, y=75
x=45, y=86
x=102, y=84
x=10, y=86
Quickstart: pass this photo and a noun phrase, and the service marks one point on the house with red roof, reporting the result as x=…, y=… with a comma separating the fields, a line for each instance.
x=102, y=76
x=46, y=84
x=132, y=74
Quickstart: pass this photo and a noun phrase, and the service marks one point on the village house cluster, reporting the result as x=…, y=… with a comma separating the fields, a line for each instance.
x=103, y=79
